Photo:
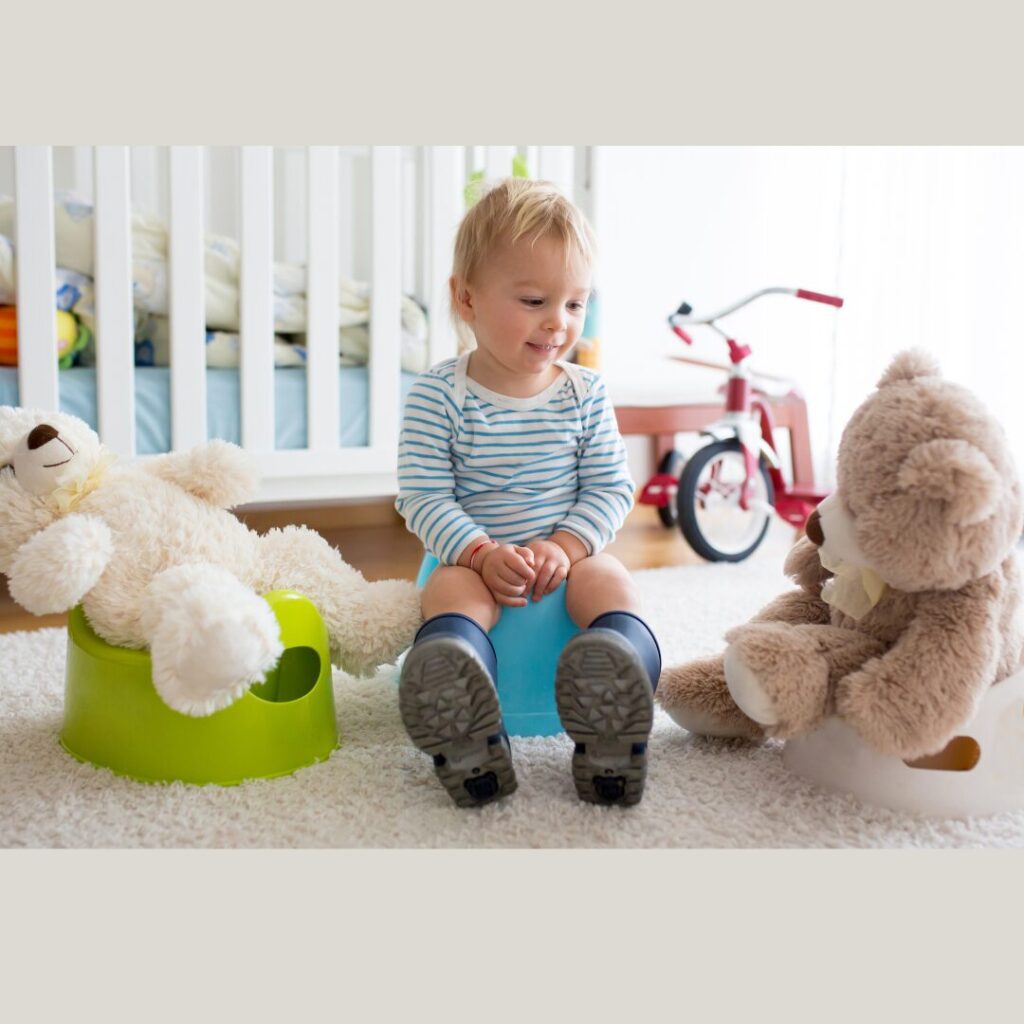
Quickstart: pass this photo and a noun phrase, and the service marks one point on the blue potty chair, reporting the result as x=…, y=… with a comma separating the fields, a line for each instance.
x=528, y=642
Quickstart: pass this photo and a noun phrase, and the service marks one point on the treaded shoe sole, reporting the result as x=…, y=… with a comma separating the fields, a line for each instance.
x=606, y=705
x=450, y=710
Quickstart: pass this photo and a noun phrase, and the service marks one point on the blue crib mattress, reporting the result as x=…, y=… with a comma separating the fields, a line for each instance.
x=223, y=389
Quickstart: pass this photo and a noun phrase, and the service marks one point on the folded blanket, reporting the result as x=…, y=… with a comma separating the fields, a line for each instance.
x=74, y=290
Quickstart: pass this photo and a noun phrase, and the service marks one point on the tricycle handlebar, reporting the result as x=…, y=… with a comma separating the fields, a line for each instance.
x=683, y=315
x=829, y=300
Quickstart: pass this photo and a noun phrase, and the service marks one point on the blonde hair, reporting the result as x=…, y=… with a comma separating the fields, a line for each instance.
x=507, y=211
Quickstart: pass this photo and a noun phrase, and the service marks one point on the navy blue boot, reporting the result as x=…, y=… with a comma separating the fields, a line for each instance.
x=449, y=705
x=604, y=689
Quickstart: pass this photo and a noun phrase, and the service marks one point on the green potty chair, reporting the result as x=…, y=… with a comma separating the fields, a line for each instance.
x=114, y=718
x=528, y=642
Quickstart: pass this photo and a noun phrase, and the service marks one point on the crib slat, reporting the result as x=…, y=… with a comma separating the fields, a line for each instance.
x=322, y=299
x=408, y=223
x=531, y=154
x=557, y=166
x=85, y=185
x=421, y=224
x=499, y=162
x=257, y=298
x=37, y=330
x=386, y=300
x=146, y=180
x=446, y=165
x=115, y=392
x=347, y=219
x=187, y=299
x=289, y=224
x=476, y=160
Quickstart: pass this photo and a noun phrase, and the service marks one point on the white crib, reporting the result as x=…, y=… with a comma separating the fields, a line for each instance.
x=416, y=200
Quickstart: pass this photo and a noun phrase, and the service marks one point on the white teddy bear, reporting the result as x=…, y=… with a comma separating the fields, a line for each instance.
x=157, y=562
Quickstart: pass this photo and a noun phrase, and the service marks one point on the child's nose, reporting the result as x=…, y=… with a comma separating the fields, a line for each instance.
x=556, y=322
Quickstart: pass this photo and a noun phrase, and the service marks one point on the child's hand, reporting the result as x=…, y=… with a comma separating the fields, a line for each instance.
x=507, y=570
x=550, y=563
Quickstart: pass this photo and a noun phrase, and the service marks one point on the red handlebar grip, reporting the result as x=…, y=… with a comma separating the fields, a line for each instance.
x=829, y=300
x=682, y=334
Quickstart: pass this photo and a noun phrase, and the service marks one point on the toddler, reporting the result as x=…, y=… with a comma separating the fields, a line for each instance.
x=513, y=474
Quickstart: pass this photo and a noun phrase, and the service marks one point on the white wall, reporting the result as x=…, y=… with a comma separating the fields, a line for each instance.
x=933, y=254
x=925, y=245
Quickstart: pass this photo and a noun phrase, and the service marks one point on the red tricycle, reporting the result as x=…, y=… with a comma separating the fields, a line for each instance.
x=723, y=496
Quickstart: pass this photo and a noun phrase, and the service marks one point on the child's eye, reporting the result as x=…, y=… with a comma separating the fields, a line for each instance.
x=534, y=302
x=577, y=307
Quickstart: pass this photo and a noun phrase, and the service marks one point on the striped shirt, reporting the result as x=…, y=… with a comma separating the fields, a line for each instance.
x=474, y=463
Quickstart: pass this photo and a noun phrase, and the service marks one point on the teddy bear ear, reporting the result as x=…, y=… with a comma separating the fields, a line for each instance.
x=908, y=365
x=955, y=472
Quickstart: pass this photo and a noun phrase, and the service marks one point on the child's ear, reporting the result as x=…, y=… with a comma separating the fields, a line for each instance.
x=462, y=301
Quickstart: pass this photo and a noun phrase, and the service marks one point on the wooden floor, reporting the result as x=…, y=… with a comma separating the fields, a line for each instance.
x=373, y=538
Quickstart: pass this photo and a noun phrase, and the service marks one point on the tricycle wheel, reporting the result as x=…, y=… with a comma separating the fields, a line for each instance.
x=672, y=463
x=708, y=503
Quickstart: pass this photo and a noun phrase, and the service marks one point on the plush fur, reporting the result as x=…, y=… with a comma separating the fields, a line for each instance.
x=929, y=500
x=156, y=560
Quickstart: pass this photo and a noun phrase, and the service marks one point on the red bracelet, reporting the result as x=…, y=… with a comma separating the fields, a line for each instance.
x=482, y=544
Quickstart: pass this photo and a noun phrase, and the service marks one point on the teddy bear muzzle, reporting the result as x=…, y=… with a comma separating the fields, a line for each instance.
x=42, y=461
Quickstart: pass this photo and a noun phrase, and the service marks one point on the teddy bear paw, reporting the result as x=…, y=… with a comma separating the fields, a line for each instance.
x=215, y=662
x=747, y=690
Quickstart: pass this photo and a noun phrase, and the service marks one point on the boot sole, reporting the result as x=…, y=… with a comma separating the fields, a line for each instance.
x=450, y=710
x=606, y=705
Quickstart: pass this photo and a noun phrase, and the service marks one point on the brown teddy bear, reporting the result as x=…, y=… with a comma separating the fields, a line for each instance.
x=909, y=601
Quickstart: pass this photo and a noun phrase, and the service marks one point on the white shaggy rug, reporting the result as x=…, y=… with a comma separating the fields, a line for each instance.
x=377, y=790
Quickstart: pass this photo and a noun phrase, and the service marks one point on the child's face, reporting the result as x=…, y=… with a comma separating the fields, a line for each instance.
x=527, y=307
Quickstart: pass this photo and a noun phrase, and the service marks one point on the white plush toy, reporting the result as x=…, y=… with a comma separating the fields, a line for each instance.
x=157, y=562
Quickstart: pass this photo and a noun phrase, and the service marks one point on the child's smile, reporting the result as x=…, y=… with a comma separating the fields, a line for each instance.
x=542, y=349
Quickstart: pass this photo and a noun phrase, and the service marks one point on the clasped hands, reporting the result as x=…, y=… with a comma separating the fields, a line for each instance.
x=514, y=572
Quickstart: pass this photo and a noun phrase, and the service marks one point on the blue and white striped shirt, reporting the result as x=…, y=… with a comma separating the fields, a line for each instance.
x=474, y=463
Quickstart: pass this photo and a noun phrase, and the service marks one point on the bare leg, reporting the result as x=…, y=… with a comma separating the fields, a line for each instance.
x=596, y=585
x=452, y=588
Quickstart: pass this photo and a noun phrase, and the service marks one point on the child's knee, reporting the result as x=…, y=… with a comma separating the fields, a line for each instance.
x=600, y=570
x=599, y=584
x=454, y=588
x=450, y=581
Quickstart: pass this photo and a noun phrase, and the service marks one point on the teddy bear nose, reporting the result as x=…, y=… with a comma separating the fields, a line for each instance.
x=40, y=435
x=813, y=529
